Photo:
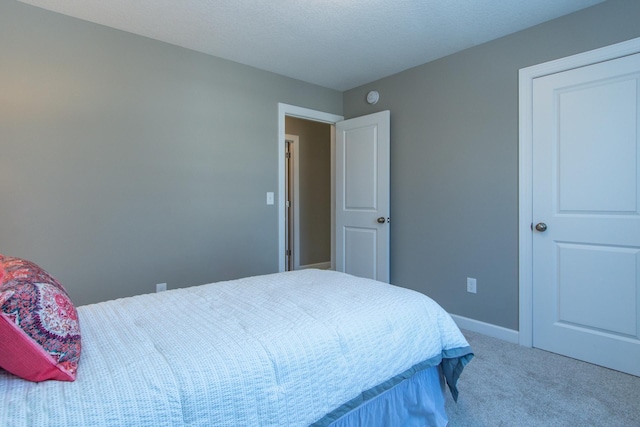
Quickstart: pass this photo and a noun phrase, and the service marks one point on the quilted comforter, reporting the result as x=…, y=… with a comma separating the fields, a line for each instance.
x=274, y=350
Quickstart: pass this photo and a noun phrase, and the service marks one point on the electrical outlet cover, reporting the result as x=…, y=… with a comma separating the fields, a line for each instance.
x=471, y=285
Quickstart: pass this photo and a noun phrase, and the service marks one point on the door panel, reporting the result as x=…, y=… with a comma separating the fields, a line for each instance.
x=360, y=155
x=360, y=251
x=586, y=265
x=362, y=196
x=584, y=302
x=598, y=134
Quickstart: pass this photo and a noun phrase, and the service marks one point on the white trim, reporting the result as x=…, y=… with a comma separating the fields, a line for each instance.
x=320, y=266
x=487, y=329
x=525, y=166
x=303, y=113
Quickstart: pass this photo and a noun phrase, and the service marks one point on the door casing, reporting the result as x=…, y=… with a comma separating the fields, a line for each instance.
x=525, y=166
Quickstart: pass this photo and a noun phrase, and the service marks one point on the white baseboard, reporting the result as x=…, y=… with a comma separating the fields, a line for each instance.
x=488, y=329
x=320, y=265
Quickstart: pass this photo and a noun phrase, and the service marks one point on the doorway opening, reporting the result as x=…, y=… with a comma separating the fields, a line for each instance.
x=290, y=111
x=307, y=194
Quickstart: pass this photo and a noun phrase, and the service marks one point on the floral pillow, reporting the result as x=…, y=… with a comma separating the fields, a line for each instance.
x=39, y=329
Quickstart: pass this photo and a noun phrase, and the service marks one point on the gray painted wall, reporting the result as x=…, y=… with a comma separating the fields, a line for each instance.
x=126, y=162
x=454, y=159
x=314, y=153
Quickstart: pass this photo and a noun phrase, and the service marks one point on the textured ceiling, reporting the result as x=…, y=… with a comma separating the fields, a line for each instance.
x=339, y=44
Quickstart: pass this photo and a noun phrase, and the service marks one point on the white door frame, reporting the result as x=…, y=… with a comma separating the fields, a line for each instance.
x=525, y=166
x=316, y=116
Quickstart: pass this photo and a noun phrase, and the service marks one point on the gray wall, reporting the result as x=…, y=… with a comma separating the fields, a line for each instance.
x=314, y=154
x=125, y=162
x=454, y=159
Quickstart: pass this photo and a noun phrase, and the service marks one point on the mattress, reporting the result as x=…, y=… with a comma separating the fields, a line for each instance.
x=281, y=349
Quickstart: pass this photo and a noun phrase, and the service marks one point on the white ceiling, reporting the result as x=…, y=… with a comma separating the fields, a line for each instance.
x=339, y=44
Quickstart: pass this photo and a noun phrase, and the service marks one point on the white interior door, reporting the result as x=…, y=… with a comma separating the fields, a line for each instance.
x=586, y=190
x=362, y=196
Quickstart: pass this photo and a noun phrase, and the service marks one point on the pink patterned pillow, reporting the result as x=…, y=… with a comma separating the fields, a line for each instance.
x=39, y=329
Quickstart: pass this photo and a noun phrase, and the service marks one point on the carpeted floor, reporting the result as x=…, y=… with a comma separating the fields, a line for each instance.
x=509, y=385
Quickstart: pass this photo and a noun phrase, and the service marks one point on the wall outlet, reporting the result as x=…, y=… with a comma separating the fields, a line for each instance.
x=161, y=287
x=472, y=285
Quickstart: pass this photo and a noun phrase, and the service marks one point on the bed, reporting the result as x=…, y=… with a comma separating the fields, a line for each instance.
x=310, y=347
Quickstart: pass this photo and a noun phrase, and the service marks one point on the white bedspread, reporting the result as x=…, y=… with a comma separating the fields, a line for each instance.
x=275, y=350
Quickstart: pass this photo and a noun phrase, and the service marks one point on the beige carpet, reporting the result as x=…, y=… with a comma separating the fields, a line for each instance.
x=509, y=385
